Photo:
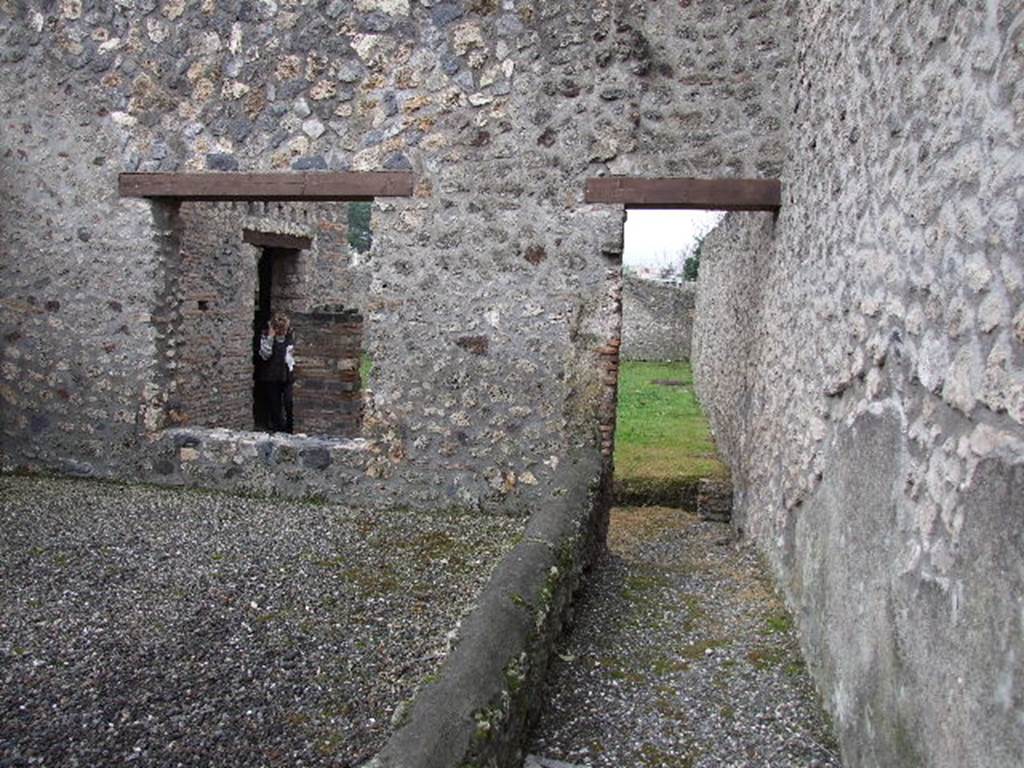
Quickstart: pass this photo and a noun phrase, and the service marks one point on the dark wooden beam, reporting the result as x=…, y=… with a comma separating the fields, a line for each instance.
x=276, y=240
x=313, y=186
x=702, y=194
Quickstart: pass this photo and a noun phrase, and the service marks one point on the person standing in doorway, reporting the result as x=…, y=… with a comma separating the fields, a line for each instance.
x=277, y=374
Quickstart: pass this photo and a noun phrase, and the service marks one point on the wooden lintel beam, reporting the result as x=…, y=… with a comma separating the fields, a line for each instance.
x=276, y=240
x=312, y=186
x=696, y=194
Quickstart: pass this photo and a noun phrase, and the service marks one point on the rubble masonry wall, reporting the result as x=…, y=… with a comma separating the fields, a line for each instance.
x=657, y=319
x=862, y=361
x=491, y=296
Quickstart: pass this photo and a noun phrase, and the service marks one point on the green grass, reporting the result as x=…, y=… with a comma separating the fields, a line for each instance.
x=365, y=369
x=779, y=622
x=662, y=438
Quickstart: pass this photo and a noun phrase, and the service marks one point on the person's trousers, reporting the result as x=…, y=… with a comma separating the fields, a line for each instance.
x=279, y=405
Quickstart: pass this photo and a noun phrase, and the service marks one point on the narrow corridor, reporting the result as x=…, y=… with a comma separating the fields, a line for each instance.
x=681, y=655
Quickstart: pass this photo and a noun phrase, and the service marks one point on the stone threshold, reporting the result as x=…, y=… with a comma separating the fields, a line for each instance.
x=272, y=464
x=191, y=437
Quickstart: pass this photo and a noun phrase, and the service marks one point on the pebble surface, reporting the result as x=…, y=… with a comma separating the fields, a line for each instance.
x=682, y=656
x=143, y=626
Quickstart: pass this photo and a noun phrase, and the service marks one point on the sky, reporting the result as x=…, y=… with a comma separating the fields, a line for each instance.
x=658, y=238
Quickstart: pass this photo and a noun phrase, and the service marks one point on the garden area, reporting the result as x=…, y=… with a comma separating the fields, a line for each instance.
x=663, y=443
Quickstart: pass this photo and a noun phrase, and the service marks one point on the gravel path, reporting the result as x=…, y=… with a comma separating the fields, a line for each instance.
x=681, y=655
x=168, y=627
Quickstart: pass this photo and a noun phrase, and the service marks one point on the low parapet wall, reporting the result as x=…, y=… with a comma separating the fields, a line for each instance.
x=480, y=709
x=657, y=319
x=359, y=472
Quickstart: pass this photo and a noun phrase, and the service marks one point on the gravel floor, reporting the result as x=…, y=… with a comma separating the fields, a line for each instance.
x=168, y=627
x=681, y=655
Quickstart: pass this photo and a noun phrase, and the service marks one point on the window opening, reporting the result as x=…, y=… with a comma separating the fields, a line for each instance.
x=240, y=264
x=360, y=236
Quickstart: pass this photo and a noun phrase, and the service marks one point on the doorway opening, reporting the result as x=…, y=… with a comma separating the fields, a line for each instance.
x=271, y=260
x=664, y=450
x=204, y=311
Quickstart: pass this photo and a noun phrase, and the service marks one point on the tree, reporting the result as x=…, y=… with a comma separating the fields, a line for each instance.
x=691, y=267
x=360, y=235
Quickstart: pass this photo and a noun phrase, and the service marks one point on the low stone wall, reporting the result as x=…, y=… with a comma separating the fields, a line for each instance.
x=359, y=472
x=714, y=499
x=657, y=492
x=485, y=699
x=657, y=319
x=271, y=464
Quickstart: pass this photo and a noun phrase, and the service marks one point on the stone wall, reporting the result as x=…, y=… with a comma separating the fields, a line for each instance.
x=861, y=357
x=657, y=319
x=489, y=298
x=78, y=285
x=328, y=393
x=862, y=360
x=213, y=370
x=727, y=337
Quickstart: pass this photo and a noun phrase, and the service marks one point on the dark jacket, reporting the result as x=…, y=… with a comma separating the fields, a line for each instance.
x=276, y=358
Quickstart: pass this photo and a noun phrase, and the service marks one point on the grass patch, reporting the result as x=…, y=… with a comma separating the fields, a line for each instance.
x=437, y=549
x=698, y=650
x=373, y=582
x=666, y=665
x=766, y=658
x=778, y=623
x=334, y=562
x=795, y=668
x=654, y=755
x=365, y=368
x=639, y=583
x=695, y=612
x=617, y=669
x=663, y=442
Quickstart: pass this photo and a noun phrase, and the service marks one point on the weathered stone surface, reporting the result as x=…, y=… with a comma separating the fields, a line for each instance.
x=858, y=362
x=657, y=319
x=714, y=499
x=458, y=94
x=191, y=86
x=219, y=161
x=880, y=314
